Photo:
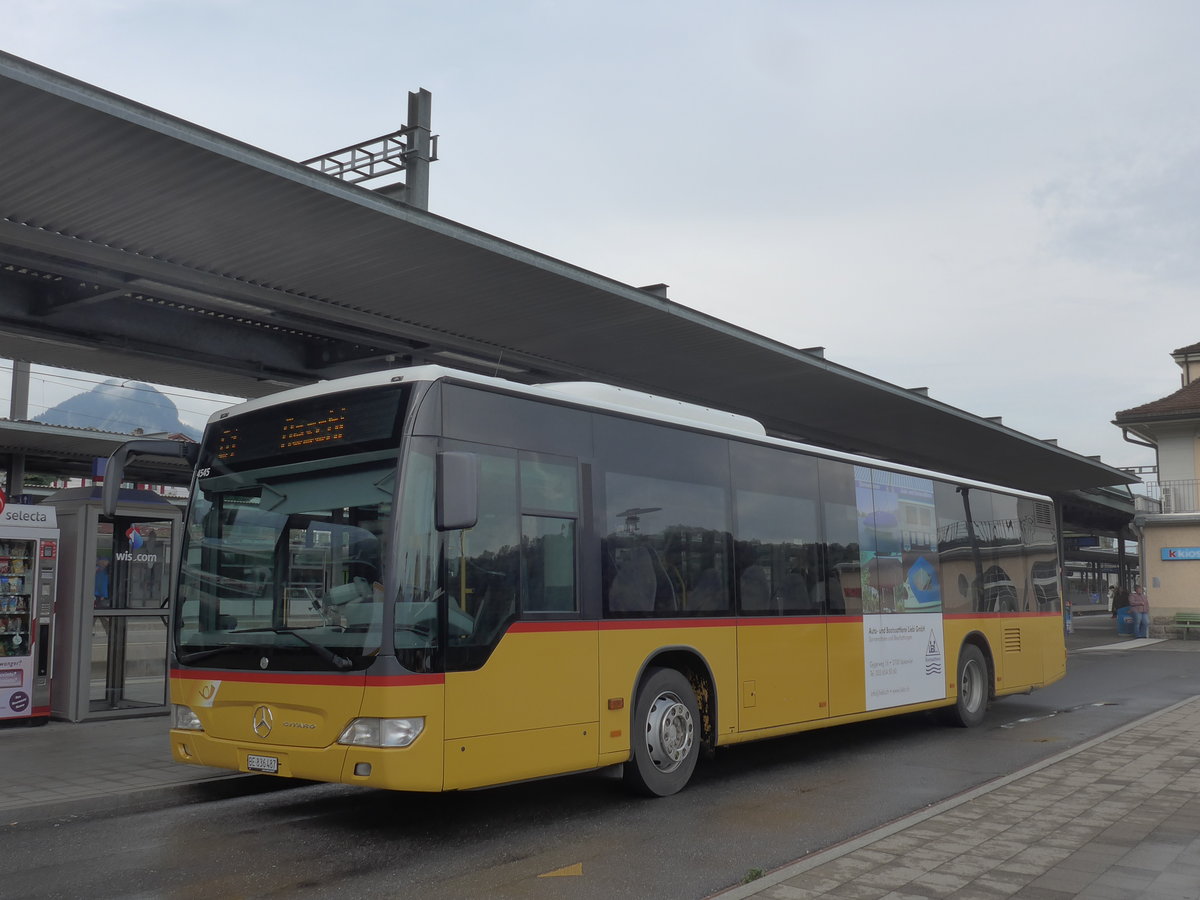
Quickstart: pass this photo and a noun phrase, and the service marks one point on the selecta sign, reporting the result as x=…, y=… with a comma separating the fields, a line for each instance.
x=1177, y=553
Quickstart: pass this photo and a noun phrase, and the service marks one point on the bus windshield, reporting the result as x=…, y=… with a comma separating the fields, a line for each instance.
x=284, y=568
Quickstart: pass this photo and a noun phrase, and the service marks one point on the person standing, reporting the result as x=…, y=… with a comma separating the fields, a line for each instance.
x=1139, y=605
x=100, y=594
x=1120, y=599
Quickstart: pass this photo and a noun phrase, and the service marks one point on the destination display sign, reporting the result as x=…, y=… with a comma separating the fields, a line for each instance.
x=308, y=428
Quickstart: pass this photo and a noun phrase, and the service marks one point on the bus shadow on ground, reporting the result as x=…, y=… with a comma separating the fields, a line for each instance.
x=557, y=800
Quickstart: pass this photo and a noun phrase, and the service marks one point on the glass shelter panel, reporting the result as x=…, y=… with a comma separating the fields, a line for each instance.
x=142, y=564
x=129, y=662
x=131, y=599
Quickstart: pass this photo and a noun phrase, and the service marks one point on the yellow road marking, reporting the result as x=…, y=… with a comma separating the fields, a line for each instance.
x=576, y=869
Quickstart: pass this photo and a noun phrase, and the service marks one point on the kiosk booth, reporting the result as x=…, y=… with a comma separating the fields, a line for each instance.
x=28, y=562
x=113, y=613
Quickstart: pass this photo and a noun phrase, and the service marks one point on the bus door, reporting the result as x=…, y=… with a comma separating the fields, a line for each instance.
x=782, y=644
x=522, y=672
x=782, y=632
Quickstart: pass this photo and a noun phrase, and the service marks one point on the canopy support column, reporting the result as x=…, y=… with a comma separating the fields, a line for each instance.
x=18, y=409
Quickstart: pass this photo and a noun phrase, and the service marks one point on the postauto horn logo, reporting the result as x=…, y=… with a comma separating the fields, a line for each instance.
x=136, y=541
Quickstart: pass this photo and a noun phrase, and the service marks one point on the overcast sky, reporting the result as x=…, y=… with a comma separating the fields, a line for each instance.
x=998, y=201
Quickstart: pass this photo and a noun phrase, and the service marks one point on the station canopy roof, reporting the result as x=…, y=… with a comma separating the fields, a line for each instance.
x=137, y=245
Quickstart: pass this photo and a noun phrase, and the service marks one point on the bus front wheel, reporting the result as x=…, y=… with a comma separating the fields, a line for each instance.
x=665, y=743
x=973, y=688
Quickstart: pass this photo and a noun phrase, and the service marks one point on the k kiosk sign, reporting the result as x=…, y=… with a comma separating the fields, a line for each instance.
x=1173, y=554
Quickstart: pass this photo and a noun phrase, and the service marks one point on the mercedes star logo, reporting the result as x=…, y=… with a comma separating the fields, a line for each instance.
x=263, y=720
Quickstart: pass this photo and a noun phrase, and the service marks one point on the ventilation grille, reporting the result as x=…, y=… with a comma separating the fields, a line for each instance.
x=1012, y=640
x=1043, y=514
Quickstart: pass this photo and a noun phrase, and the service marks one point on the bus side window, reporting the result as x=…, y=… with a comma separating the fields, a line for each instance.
x=1004, y=588
x=549, y=505
x=955, y=550
x=778, y=532
x=483, y=563
x=839, y=512
x=665, y=553
x=664, y=518
x=547, y=564
x=1041, y=557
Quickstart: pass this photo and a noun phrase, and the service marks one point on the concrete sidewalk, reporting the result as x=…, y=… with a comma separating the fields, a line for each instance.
x=1117, y=818
x=60, y=763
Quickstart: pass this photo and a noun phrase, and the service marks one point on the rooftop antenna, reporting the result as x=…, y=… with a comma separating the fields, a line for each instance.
x=633, y=517
x=410, y=150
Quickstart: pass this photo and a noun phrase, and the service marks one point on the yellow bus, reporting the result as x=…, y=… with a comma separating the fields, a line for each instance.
x=429, y=580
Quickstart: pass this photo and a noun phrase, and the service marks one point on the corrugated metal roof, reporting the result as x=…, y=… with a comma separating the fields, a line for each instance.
x=60, y=451
x=135, y=244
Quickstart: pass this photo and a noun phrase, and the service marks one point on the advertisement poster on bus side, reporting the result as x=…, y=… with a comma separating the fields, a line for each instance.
x=903, y=645
x=905, y=659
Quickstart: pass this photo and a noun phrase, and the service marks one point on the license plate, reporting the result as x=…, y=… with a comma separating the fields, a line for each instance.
x=269, y=764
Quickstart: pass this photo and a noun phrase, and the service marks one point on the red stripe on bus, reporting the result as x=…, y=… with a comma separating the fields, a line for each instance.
x=538, y=627
x=405, y=680
x=637, y=624
x=791, y=620
x=305, y=678
x=717, y=622
x=1009, y=615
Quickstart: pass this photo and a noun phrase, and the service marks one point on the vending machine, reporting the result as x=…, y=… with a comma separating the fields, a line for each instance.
x=28, y=568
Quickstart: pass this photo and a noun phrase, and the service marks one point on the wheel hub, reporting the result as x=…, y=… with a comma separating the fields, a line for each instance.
x=972, y=685
x=669, y=732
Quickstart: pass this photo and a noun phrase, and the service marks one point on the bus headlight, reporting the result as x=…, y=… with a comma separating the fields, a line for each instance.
x=382, y=732
x=182, y=717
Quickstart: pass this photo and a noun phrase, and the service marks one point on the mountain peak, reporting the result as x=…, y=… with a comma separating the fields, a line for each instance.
x=121, y=407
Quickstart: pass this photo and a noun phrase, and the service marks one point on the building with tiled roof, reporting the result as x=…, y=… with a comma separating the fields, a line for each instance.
x=1171, y=523
x=1188, y=359
x=1141, y=420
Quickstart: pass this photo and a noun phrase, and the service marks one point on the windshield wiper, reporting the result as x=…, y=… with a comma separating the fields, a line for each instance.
x=334, y=659
x=322, y=651
x=188, y=658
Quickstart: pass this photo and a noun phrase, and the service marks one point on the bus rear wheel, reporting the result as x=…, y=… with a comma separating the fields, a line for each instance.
x=973, y=688
x=665, y=743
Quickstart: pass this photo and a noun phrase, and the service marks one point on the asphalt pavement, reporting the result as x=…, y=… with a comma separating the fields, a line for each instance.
x=1117, y=817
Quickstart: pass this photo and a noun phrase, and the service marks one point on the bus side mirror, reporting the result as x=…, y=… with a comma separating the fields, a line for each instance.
x=457, y=490
x=114, y=471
